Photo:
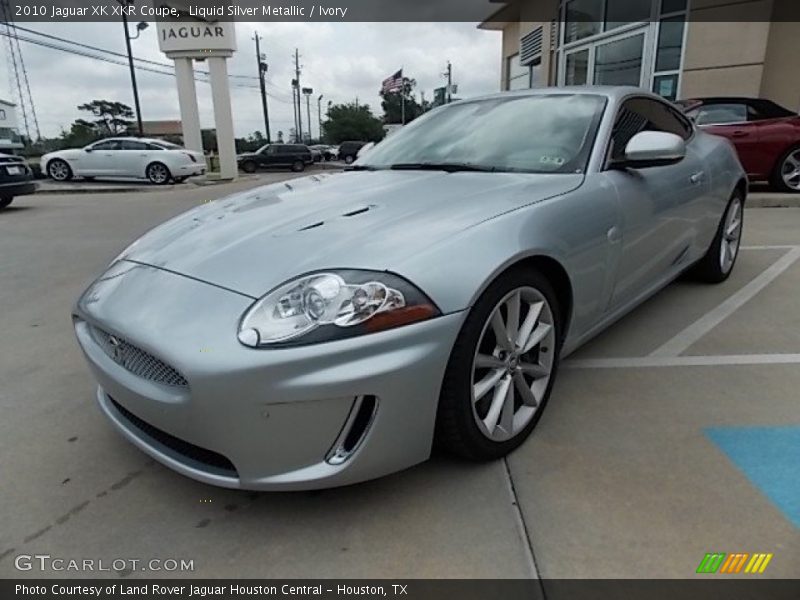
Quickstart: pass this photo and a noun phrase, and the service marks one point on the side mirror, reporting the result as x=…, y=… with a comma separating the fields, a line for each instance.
x=87, y=149
x=653, y=149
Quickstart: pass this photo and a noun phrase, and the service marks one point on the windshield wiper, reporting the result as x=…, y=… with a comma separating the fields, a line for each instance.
x=360, y=168
x=448, y=167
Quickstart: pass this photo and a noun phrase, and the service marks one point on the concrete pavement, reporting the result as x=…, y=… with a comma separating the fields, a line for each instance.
x=622, y=477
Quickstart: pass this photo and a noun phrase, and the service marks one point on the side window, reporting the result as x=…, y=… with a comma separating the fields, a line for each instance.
x=272, y=150
x=720, y=114
x=644, y=114
x=154, y=147
x=133, y=145
x=107, y=145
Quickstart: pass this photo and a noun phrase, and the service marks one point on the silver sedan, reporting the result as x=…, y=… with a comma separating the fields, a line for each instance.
x=330, y=329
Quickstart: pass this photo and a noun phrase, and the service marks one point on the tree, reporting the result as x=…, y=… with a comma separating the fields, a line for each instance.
x=352, y=122
x=392, y=104
x=111, y=118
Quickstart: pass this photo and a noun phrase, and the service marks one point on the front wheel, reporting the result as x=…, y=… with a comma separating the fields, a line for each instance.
x=59, y=170
x=718, y=262
x=298, y=166
x=501, y=369
x=158, y=173
x=249, y=166
x=349, y=159
x=5, y=201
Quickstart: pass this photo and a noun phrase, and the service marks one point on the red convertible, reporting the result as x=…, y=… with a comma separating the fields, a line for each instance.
x=766, y=136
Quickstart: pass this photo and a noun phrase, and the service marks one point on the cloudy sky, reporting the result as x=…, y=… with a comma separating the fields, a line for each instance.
x=340, y=60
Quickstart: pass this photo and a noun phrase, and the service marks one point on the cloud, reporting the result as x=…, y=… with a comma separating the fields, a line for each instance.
x=342, y=61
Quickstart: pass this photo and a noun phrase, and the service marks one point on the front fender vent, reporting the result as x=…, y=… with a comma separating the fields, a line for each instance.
x=355, y=429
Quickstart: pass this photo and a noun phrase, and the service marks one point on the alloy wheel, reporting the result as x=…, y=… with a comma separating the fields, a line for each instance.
x=157, y=173
x=731, y=235
x=790, y=170
x=59, y=170
x=513, y=363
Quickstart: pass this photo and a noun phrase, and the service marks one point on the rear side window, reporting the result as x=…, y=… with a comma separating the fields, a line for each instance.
x=644, y=114
x=719, y=114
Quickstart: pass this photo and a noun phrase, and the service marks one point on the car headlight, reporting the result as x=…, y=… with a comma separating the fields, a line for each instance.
x=320, y=307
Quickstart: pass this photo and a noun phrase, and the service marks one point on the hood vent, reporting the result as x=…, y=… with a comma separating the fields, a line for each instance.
x=352, y=213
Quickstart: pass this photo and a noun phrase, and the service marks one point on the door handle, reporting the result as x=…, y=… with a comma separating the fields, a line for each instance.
x=739, y=134
x=697, y=177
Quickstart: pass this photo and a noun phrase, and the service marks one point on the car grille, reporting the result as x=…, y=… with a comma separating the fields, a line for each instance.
x=136, y=360
x=194, y=453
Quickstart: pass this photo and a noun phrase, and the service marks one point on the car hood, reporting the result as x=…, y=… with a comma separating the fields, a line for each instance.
x=254, y=241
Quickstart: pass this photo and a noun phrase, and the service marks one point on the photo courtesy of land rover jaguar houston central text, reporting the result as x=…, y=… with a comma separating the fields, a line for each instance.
x=333, y=330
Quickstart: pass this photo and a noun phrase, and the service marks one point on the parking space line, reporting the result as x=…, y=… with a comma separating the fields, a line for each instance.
x=682, y=361
x=691, y=334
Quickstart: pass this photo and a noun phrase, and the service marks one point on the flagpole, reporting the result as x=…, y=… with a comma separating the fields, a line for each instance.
x=403, y=105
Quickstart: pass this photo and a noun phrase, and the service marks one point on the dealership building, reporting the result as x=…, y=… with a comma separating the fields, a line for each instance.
x=676, y=48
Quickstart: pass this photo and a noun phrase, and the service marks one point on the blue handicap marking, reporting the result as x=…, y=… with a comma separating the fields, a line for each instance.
x=770, y=458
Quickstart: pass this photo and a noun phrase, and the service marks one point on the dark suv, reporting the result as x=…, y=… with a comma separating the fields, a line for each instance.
x=348, y=151
x=292, y=156
x=16, y=179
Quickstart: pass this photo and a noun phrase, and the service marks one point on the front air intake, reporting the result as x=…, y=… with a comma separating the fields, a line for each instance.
x=355, y=429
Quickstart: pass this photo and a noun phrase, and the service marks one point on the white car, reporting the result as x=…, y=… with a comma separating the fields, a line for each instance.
x=142, y=158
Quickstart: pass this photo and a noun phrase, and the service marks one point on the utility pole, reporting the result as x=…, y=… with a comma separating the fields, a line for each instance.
x=295, y=91
x=319, y=116
x=125, y=4
x=307, y=93
x=299, y=109
x=262, y=72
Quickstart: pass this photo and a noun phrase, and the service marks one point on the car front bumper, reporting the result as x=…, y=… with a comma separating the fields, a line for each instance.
x=266, y=419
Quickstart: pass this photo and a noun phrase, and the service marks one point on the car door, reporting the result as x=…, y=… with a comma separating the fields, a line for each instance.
x=132, y=158
x=731, y=120
x=268, y=156
x=660, y=207
x=99, y=159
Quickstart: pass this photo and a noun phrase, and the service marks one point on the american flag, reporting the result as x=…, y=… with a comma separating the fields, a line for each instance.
x=393, y=83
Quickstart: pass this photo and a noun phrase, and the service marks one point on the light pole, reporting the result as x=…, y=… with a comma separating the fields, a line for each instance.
x=262, y=72
x=307, y=92
x=319, y=115
x=139, y=28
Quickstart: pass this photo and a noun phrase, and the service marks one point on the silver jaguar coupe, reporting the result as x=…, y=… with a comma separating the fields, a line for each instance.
x=332, y=329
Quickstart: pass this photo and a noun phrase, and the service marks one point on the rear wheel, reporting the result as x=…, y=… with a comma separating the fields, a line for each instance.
x=59, y=170
x=349, y=159
x=298, y=166
x=718, y=262
x=501, y=369
x=158, y=173
x=786, y=177
x=5, y=201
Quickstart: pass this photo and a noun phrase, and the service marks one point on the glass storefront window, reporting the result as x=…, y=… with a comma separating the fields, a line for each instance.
x=670, y=43
x=619, y=62
x=622, y=12
x=666, y=86
x=577, y=66
x=583, y=18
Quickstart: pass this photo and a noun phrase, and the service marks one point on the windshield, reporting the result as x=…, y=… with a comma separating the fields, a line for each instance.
x=550, y=133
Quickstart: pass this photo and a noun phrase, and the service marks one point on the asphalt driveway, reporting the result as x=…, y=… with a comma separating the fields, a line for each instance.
x=674, y=434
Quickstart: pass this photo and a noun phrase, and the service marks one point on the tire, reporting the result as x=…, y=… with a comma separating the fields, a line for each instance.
x=716, y=267
x=59, y=170
x=463, y=427
x=249, y=167
x=298, y=166
x=349, y=159
x=179, y=179
x=5, y=201
x=158, y=173
x=788, y=163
